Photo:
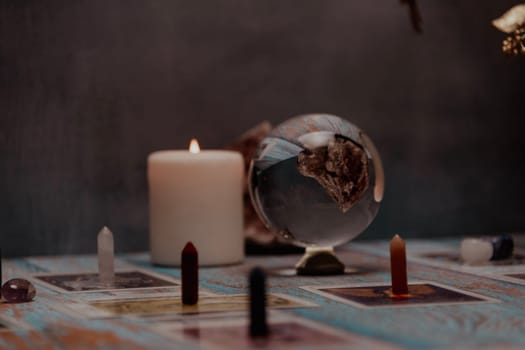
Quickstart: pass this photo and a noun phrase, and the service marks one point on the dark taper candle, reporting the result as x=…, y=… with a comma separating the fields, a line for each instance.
x=258, y=324
x=190, y=274
x=398, y=266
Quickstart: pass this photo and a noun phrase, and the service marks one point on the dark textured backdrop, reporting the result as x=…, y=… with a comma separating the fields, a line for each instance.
x=89, y=88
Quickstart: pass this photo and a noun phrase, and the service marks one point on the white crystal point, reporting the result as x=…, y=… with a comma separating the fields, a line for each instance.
x=475, y=251
x=106, y=269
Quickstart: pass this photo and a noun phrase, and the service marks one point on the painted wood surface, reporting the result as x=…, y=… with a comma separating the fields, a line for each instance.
x=501, y=325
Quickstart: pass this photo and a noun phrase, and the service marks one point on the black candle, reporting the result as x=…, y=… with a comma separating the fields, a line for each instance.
x=258, y=324
x=190, y=274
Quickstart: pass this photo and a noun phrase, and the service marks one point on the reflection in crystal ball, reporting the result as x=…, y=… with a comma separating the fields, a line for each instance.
x=317, y=180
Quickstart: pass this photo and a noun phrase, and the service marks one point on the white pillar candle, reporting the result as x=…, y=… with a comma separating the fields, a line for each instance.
x=196, y=197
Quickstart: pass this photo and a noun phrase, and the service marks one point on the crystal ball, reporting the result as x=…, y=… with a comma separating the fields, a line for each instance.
x=317, y=181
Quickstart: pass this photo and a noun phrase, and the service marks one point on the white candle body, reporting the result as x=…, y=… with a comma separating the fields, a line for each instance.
x=106, y=255
x=198, y=198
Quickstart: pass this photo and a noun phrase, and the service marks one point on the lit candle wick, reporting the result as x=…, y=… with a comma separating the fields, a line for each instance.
x=194, y=146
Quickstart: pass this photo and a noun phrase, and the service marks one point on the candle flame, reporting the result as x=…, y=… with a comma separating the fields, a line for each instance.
x=194, y=146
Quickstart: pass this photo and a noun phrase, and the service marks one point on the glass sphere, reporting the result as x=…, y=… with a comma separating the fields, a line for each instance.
x=317, y=181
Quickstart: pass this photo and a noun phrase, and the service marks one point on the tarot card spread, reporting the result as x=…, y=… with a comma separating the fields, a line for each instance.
x=174, y=305
x=379, y=295
x=286, y=332
x=89, y=281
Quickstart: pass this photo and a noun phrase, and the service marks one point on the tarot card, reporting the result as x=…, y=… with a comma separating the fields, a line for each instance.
x=379, y=295
x=285, y=332
x=517, y=277
x=190, y=317
x=135, y=293
x=83, y=282
x=122, y=294
x=445, y=254
x=173, y=305
x=452, y=259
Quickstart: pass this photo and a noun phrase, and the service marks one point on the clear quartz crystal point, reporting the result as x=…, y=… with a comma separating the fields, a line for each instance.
x=106, y=269
x=475, y=251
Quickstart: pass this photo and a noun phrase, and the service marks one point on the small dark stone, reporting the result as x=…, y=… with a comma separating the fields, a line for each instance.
x=503, y=245
x=18, y=290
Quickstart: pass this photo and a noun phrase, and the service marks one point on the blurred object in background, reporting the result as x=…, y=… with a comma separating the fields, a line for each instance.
x=259, y=240
x=513, y=22
x=89, y=88
x=415, y=15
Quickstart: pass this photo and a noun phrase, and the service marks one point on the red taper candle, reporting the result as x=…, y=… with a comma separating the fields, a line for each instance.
x=190, y=274
x=398, y=266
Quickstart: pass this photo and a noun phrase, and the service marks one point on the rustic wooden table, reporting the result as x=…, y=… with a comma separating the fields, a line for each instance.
x=490, y=313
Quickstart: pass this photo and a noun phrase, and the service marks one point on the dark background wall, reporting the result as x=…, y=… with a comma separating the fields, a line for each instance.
x=89, y=88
